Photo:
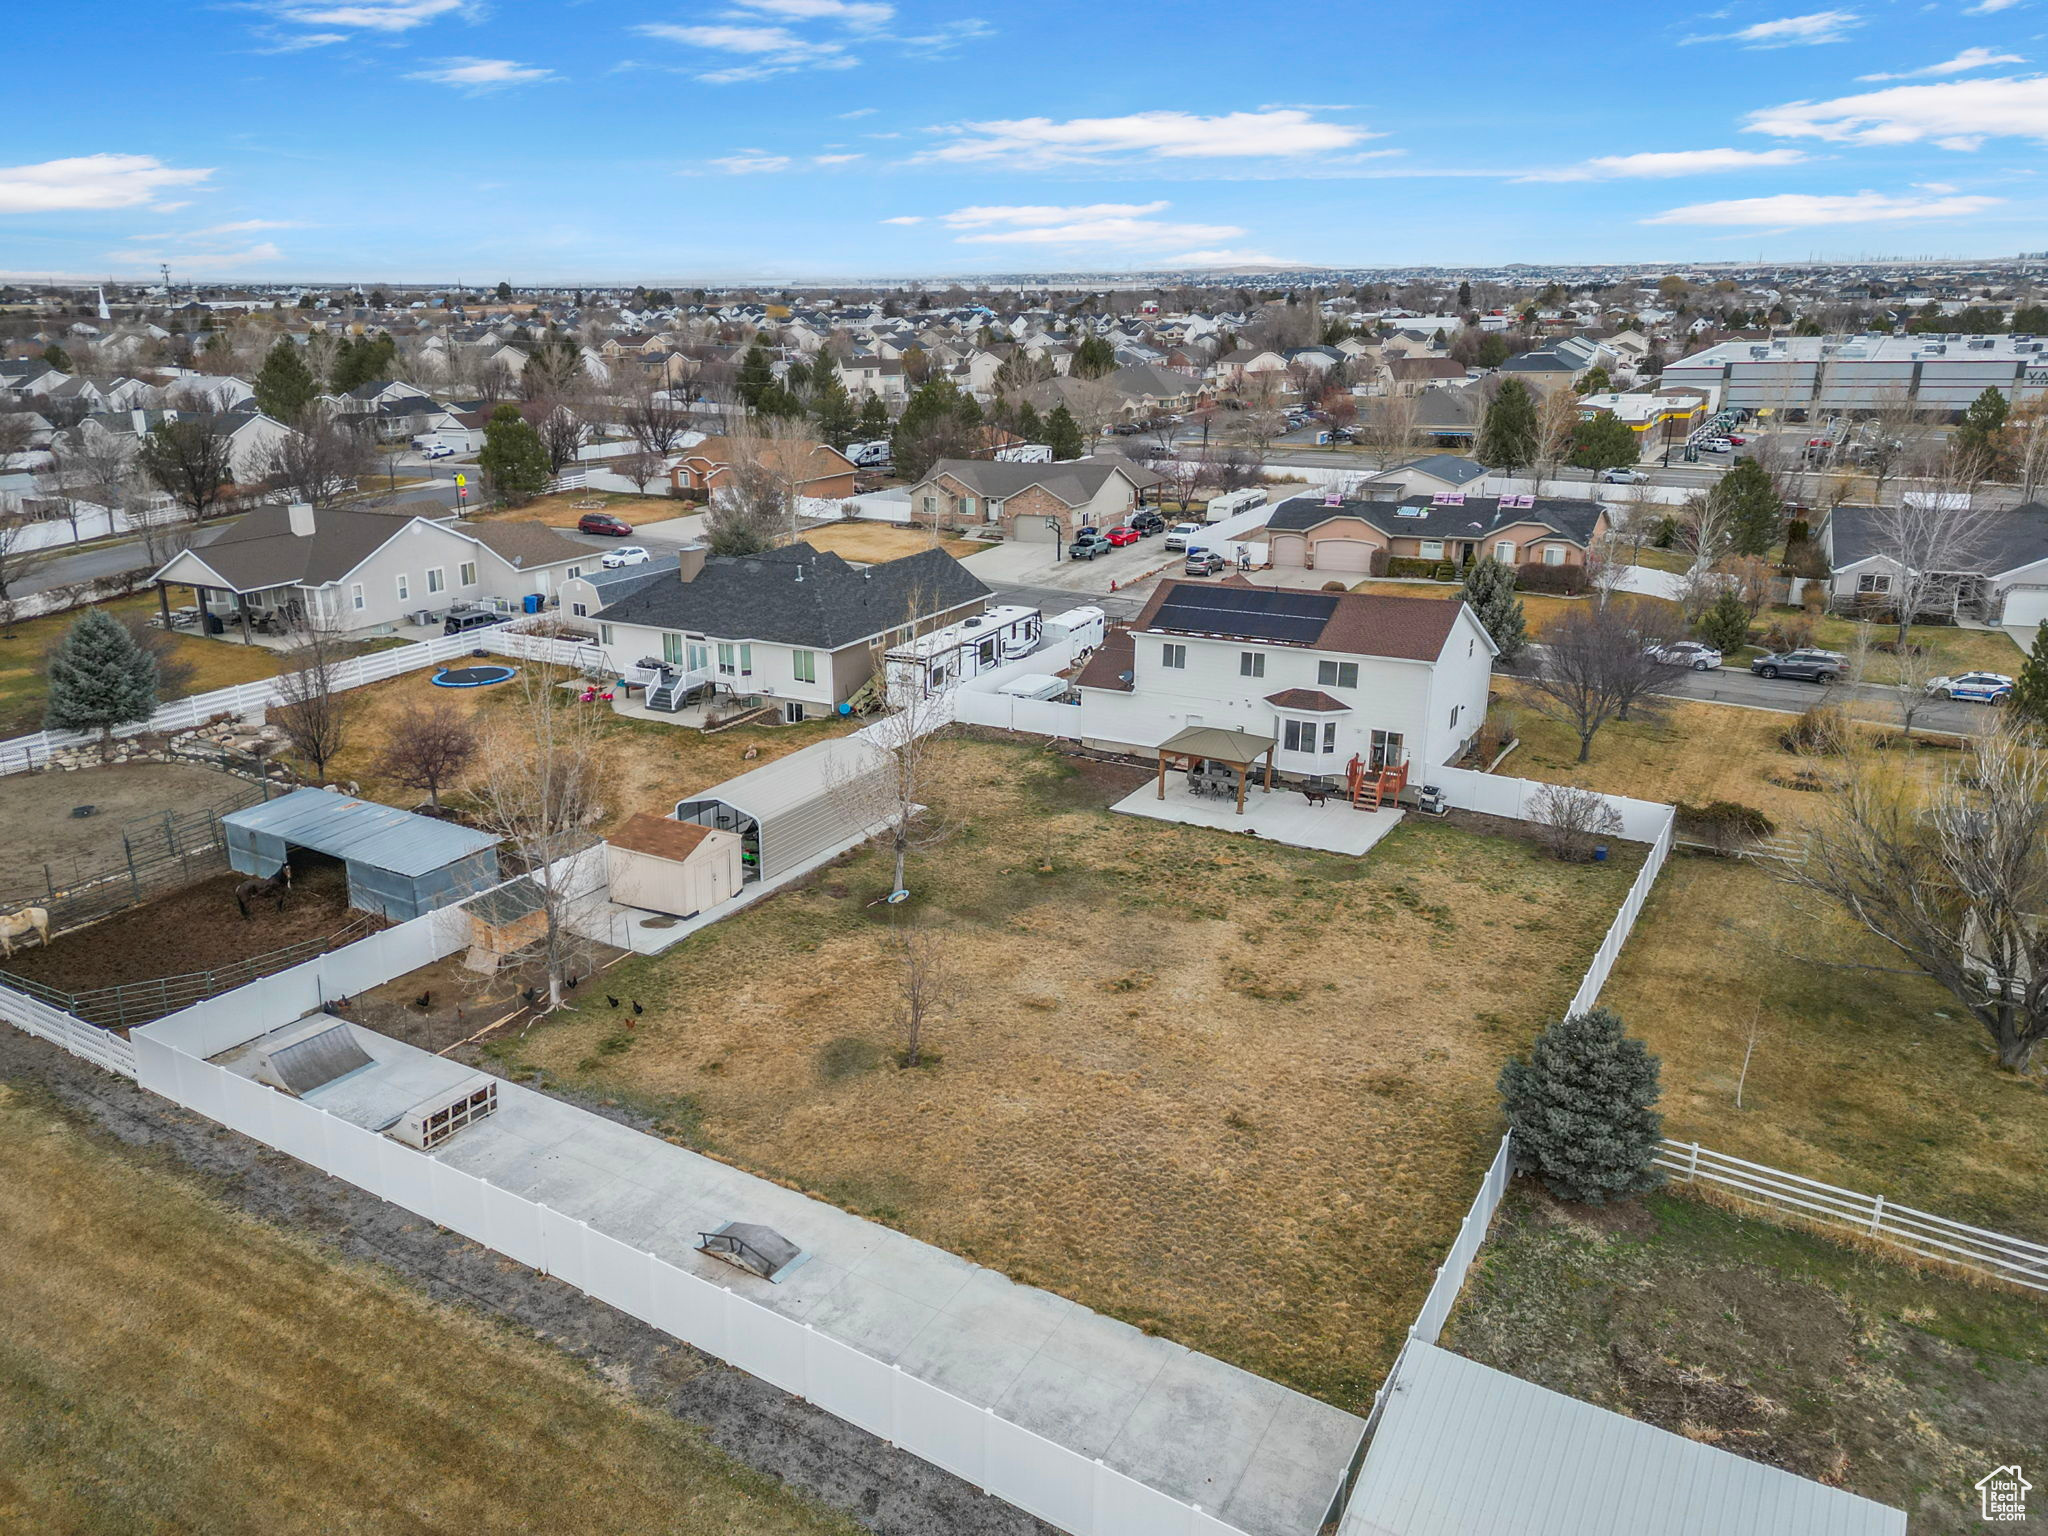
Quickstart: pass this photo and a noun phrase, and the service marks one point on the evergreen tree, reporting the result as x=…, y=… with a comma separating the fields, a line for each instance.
x=285, y=386
x=1029, y=427
x=1605, y=442
x=504, y=293
x=1464, y=296
x=779, y=402
x=1063, y=434
x=1490, y=589
x=1493, y=351
x=1507, y=436
x=1596, y=382
x=57, y=358
x=1093, y=358
x=938, y=422
x=756, y=376
x=1581, y=1109
x=99, y=677
x=874, y=419
x=1979, y=436
x=2030, y=320
x=1755, y=513
x=2029, y=701
x=363, y=360
x=1725, y=624
x=513, y=456
x=832, y=407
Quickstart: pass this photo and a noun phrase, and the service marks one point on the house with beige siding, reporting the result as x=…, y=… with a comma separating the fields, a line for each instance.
x=1035, y=503
x=1332, y=533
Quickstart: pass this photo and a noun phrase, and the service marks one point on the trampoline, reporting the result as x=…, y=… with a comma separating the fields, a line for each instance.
x=473, y=677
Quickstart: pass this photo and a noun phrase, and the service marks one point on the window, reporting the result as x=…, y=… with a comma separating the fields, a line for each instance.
x=1431, y=549
x=966, y=506
x=1456, y=710
x=672, y=649
x=437, y=579
x=1300, y=735
x=1872, y=581
x=574, y=572
x=356, y=600
x=1337, y=674
x=1553, y=554
x=1329, y=735
x=604, y=634
x=579, y=609
x=792, y=712
x=699, y=656
x=466, y=573
x=726, y=665
x=931, y=506
x=1251, y=663
x=404, y=587
x=1386, y=749
x=1173, y=656
x=1504, y=551
x=746, y=661
x=803, y=666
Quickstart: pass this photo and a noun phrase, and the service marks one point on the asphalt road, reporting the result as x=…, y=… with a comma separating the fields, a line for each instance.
x=1728, y=686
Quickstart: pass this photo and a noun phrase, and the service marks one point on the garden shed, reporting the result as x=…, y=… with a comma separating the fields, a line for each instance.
x=799, y=807
x=678, y=867
x=399, y=865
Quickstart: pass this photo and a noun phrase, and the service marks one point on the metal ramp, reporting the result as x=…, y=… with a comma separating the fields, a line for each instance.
x=315, y=1061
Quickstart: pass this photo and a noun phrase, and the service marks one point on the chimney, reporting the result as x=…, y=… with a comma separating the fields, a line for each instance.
x=690, y=561
x=299, y=516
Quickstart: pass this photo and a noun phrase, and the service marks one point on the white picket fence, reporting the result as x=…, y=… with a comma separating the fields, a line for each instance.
x=40, y=1019
x=1920, y=1232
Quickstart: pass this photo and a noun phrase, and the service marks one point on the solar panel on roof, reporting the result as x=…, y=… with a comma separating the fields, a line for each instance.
x=1254, y=613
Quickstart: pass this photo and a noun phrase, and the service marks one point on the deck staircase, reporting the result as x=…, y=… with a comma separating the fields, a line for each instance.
x=1372, y=788
x=668, y=694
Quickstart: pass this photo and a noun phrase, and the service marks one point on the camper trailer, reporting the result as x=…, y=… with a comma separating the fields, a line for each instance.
x=944, y=658
x=1085, y=626
x=1228, y=506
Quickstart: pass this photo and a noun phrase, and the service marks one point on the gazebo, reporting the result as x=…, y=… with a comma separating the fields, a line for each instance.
x=1213, y=743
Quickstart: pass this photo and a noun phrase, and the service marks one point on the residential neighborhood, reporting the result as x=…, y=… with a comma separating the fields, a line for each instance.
x=1001, y=807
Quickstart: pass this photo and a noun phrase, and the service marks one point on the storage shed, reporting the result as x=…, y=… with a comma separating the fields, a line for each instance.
x=678, y=867
x=399, y=865
x=799, y=807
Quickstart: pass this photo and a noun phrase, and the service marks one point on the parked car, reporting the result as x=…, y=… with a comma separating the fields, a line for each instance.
x=1205, y=562
x=1717, y=445
x=1684, y=653
x=1976, y=687
x=1148, y=523
x=1736, y=440
x=1178, y=535
x=1087, y=544
x=476, y=618
x=1622, y=477
x=1125, y=429
x=438, y=451
x=625, y=554
x=1808, y=666
x=604, y=523
x=1122, y=534
x=1820, y=442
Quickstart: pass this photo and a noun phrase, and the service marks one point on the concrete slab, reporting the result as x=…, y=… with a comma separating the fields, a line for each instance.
x=1280, y=816
x=1263, y=1458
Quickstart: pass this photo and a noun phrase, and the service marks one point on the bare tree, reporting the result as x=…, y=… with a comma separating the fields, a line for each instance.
x=428, y=748
x=649, y=412
x=1573, y=819
x=1893, y=439
x=926, y=986
x=1955, y=878
x=540, y=786
x=1387, y=429
x=1260, y=418
x=318, y=464
x=2027, y=440
x=312, y=710
x=15, y=556
x=1557, y=420
x=640, y=468
x=562, y=431
x=1598, y=663
x=17, y=433
x=1928, y=538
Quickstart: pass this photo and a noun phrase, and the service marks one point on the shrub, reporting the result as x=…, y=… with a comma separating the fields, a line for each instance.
x=1666, y=534
x=1581, y=1107
x=1789, y=632
x=1376, y=563
x=1573, y=820
x=1403, y=565
x=1558, y=580
x=1724, y=825
x=1725, y=625
x=1823, y=731
x=1335, y=586
x=1798, y=531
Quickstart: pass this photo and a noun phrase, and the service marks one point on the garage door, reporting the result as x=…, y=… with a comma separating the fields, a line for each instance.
x=1344, y=555
x=1031, y=529
x=1289, y=549
x=2026, y=605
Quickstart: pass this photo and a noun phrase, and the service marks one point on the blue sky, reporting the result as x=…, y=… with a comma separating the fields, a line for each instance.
x=605, y=140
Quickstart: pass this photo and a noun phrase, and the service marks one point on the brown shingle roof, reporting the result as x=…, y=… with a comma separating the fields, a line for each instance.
x=659, y=836
x=1305, y=698
x=1110, y=666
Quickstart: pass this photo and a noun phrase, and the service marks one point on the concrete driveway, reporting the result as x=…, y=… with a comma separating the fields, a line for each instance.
x=1017, y=564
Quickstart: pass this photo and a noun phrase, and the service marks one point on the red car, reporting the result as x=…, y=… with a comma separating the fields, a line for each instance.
x=1122, y=534
x=1735, y=441
x=603, y=522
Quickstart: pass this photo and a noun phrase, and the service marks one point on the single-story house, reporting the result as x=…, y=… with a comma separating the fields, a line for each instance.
x=1332, y=533
x=1428, y=476
x=2004, y=580
x=1036, y=503
x=795, y=624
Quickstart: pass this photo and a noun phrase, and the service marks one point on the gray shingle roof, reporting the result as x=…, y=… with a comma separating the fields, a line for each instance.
x=1073, y=481
x=2018, y=538
x=797, y=595
x=1477, y=516
x=261, y=551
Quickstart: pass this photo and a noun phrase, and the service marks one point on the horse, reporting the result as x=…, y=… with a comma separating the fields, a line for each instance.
x=277, y=886
x=35, y=920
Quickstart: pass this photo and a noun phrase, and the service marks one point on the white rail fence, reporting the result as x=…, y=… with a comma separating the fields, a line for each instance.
x=1920, y=1232
x=40, y=1019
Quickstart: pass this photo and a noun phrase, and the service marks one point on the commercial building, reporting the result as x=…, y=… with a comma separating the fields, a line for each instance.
x=1940, y=375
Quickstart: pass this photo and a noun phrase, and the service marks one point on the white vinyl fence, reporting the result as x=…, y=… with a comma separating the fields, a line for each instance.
x=1625, y=920
x=1929, y=1236
x=39, y=1018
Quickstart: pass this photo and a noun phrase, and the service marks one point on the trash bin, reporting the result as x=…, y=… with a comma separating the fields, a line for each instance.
x=533, y=602
x=214, y=625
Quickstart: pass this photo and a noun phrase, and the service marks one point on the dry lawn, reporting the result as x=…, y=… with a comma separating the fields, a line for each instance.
x=1540, y=608
x=649, y=765
x=872, y=543
x=172, y=1366
x=1236, y=1093
x=1952, y=649
x=563, y=510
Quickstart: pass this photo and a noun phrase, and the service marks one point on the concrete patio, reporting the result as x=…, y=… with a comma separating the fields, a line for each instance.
x=1280, y=816
x=1260, y=1457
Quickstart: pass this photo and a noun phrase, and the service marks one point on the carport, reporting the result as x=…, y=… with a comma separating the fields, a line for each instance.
x=399, y=865
x=792, y=810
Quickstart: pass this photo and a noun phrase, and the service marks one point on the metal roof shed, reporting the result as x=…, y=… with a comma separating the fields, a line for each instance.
x=399, y=865
x=1462, y=1447
x=792, y=810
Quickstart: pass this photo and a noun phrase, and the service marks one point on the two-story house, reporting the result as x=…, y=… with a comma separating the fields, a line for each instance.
x=1332, y=533
x=1325, y=676
x=811, y=469
x=795, y=624
x=1035, y=503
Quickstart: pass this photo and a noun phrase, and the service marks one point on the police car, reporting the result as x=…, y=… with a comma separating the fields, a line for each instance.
x=1974, y=687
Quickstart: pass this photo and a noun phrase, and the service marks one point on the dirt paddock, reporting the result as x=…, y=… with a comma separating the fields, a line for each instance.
x=195, y=928
x=37, y=827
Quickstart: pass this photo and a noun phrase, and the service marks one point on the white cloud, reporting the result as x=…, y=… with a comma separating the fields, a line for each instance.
x=752, y=162
x=306, y=40
x=851, y=13
x=88, y=182
x=202, y=261
x=373, y=15
x=839, y=159
x=1989, y=7
x=1035, y=142
x=1789, y=31
x=1675, y=162
x=773, y=50
x=847, y=117
x=479, y=75
x=1255, y=259
x=1962, y=63
x=1121, y=225
x=1958, y=115
x=906, y=218
x=1799, y=210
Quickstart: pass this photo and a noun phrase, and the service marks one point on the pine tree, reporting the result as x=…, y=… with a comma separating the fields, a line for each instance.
x=1029, y=427
x=2029, y=700
x=1507, y=437
x=1605, y=442
x=1979, y=436
x=285, y=386
x=57, y=358
x=756, y=376
x=1754, y=513
x=1490, y=589
x=1596, y=382
x=99, y=677
x=1093, y=358
x=513, y=456
x=832, y=407
x=938, y=422
x=1063, y=434
x=1725, y=624
x=1581, y=1109
x=874, y=419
